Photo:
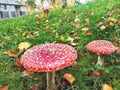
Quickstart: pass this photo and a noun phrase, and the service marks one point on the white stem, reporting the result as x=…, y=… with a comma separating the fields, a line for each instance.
x=100, y=60
x=51, y=81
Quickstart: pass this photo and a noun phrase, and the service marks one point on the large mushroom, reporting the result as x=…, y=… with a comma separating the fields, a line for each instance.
x=49, y=58
x=101, y=47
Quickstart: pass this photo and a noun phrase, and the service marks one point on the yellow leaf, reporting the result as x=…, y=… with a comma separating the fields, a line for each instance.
x=102, y=27
x=24, y=34
x=107, y=87
x=42, y=15
x=69, y=78
x=112, y=19
x=70, y=39
x=62, y=38
x=24, y=45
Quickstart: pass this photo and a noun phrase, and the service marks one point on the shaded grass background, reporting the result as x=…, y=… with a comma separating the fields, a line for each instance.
x=11, y=34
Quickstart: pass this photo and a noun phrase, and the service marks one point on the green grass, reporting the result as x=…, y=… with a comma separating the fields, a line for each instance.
x=17, y=30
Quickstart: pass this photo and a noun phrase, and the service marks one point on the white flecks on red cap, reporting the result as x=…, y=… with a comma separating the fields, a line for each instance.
x=101, y=47
x=48, y=57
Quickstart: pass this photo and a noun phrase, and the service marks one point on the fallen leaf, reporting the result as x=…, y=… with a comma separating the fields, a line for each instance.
x=26, y=73
x=69, y=78
x=36, y=33
x=70, y=39
x=111, y=23
x=35, y=86
x=85, y=29
x=107, y=87
x=24, y=34
x=100, y=23
x=87, y=33
x=48, y=31
x=18, y=63
x=99, y=72
x=77, y=20
x=24, y=46
x=11, y=53
x=4, y=87
x=112, y=19
x=75, y=64
x=73, y=44
x=36, y=16
x=102, y=27
x=62, y=38
x=118, y=51
x=87, y=21
x=92, y=73
x=74, y=34
x=118, y=22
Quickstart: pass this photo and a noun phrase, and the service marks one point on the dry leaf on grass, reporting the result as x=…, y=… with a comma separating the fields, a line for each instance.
x=107, y=87
x=4, y=87
x=26, y=73
x=87, y=21
x=87, y=33
x=11, y=53
x=69, y=78
x=18, y=63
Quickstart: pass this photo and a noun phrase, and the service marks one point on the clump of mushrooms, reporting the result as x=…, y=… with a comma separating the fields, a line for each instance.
x=49, y=58
x=46, y=9
x=101, y=47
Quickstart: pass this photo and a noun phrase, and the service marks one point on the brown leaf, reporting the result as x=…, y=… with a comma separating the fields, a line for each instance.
x=118, y=51
x=48, y=31
x=107, y=87
x=35, y=86
x=118, y=22
x=26, y=73
x=18, y=63
x=99, y=72
x=87, y=21
x=75, y=64
x=74, y=34
x=87, y=33
x=4, y=87
x=11, y=53
x=69, y=78
x=100, y=23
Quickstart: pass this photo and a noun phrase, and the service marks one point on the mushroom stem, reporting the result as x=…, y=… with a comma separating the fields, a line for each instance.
x=51, y=81
x=100, y=60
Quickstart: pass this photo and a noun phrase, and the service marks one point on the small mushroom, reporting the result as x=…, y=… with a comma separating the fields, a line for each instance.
x=46, y=9
x=49, y=58
x=101, y=47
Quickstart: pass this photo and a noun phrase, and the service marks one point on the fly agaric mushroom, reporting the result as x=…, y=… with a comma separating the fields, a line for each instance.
x=49, y=58
x=46, y=9
x=101, y=47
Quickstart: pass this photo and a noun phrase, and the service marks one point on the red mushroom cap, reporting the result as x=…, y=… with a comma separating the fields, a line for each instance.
x=48, y=57
x=47, y=8
x=101, y=47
